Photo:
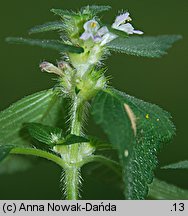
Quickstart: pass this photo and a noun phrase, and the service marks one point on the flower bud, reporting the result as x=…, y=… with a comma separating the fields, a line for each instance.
x=50, y=68
x=62, y=65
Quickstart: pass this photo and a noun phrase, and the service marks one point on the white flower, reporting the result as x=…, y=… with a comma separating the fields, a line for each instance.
x=97, y=34
x=91, y=27
x=104, y=36
x=122, y=18
x=122, y=25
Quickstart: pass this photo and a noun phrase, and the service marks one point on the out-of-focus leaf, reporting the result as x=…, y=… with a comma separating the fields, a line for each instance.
x=136, y=129
x=29, y=109
x=51, y=44
x=17, y=163
x=146, y=46
x=40, y=107
x=161, y=190
x=4, y=151
x=178, y=165
x=50, y=26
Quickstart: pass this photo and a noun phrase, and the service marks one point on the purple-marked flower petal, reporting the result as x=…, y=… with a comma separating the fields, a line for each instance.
x=97, y=34
x=97, y=38
x=86, y=36
x=91, y=26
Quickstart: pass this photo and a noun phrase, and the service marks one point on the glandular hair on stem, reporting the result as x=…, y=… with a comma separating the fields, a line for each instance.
x=70, y=183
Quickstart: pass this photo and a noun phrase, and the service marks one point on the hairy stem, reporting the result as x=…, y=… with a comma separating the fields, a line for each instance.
x=72, y=180
x=72, y=174
x=77, y=113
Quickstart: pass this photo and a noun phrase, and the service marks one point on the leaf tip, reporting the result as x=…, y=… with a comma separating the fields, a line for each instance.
x=8, y=39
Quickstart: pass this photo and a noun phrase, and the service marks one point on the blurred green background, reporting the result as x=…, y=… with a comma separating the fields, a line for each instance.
x=161, y=81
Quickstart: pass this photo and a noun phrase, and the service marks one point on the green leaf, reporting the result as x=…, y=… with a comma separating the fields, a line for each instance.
x=95, y=9
x=4, y=151
x=146, y=46
x=178, y=165
x=72, y=139
x=45, y=134
x=100, y=145
x=50, y=26
x=30, y=108
x=52, y=135
x=64, y=13
x=43, y=107
x=164, y=191
x=136, y=129
x=52, y=44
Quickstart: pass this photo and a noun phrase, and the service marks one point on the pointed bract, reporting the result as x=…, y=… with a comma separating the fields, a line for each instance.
x=50, y=26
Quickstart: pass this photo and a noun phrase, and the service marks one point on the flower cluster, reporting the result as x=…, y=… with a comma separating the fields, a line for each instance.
x=102, y=35
x=79, y=75
x=97, y=34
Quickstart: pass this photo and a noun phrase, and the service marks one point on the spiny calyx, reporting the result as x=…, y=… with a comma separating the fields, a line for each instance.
x=72, y=83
